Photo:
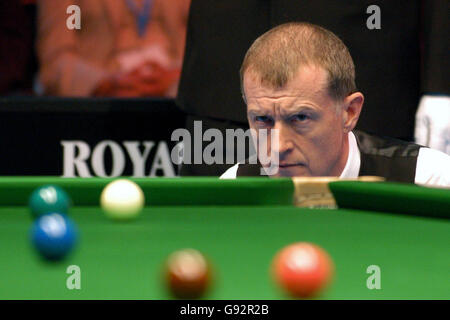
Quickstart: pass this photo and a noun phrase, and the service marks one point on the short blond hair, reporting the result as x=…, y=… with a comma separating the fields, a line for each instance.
x=276, y=56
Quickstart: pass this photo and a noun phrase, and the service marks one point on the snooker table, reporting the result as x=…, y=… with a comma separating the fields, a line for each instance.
x=239, y=225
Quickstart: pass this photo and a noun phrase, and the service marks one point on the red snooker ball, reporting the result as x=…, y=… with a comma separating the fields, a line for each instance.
x=188, y=274
x=303, y=269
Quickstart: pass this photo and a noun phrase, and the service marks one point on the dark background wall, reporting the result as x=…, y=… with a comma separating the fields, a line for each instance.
x=37, y=135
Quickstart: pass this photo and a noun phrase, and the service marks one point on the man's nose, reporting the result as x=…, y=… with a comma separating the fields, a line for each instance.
x=282, y=144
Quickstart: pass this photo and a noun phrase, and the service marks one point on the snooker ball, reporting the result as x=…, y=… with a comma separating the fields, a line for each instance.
x=54, y=236
x=122, y=199
x=302, y=269
x=188, y=274
x=47, y=199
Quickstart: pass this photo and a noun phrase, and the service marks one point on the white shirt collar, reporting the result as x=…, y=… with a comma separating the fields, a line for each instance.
x=351, y=169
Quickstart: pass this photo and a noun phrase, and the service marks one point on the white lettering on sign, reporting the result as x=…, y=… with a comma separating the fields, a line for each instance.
x=79, y=161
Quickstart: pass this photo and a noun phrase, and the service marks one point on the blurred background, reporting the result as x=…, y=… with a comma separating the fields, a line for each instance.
x=131, y=48
x=112, y=70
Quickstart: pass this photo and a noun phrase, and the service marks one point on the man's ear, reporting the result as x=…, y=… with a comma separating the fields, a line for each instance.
x=352, y=107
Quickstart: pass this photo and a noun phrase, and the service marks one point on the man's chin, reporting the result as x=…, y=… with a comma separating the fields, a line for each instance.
x=291, y=171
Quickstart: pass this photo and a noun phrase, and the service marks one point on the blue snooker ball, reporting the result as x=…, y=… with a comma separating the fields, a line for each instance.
x=54, y=236
x=47, y=199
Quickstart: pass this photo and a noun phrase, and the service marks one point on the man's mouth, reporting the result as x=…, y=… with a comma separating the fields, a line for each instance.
x=288, y=165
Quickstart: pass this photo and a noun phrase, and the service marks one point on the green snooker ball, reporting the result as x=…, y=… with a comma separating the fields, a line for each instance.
x=49, y=199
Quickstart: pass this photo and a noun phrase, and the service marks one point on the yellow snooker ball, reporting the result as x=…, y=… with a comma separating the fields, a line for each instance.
x=122, y=199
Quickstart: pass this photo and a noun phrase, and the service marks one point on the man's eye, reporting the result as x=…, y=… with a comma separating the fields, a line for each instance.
x=301, y=117
x=263, y=119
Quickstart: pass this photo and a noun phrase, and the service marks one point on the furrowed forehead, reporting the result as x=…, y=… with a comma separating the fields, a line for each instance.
x=307, y=81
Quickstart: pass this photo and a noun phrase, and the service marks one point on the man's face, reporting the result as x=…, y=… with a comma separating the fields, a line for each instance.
x=312, y=139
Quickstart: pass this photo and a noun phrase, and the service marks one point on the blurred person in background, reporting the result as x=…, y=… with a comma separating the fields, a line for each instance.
x=124, y=48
